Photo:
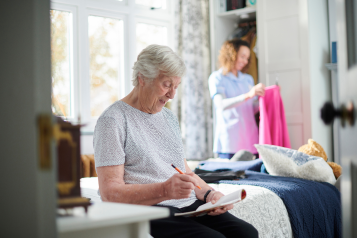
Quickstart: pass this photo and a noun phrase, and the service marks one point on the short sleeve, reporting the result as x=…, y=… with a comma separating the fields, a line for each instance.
x=216, y=85
x=108, y=142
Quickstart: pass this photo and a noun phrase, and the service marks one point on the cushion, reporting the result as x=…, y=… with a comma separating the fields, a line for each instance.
x=286, y=162
x=88, y=166
x=85, y=166
x=253, y=165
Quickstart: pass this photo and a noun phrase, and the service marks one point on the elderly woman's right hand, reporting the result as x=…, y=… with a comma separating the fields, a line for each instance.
x=257, y=90
x=180, y=186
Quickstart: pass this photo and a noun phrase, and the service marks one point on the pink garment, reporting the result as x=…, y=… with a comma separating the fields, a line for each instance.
x=272, y=126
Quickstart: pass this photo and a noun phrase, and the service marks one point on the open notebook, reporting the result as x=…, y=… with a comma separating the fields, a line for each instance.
x=231, y=198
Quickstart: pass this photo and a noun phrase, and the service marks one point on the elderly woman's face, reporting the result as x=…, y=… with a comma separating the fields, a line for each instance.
x=155, y=94
x=243, y=55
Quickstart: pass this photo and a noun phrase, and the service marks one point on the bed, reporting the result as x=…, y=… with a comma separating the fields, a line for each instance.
x=297, y=199
x=276, y=206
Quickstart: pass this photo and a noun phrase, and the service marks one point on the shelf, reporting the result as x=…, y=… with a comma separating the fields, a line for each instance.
x=331, y=66
x=249, y=13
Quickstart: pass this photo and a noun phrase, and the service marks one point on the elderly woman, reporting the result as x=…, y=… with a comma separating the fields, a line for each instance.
x=235, y=98
x=135, y=142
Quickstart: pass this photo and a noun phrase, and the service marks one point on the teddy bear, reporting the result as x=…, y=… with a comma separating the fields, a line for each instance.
x=315, y=149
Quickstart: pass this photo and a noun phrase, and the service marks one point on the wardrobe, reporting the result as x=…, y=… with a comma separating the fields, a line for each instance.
x=292, y=50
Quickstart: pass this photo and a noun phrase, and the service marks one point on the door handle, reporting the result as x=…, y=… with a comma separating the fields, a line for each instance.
x=345, y=113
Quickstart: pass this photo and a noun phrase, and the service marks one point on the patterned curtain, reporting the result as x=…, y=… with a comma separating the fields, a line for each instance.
x=192, y=104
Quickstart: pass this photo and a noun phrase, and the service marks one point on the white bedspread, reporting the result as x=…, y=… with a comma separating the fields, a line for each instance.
x=89, y=189
x=262, y=208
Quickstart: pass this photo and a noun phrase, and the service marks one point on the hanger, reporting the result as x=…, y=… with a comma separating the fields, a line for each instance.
x=277, y=81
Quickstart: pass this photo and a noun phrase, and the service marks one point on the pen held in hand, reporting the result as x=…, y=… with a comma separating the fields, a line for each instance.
x=178, y=170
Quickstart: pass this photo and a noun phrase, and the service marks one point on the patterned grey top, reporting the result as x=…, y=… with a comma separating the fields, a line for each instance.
x=147, y=145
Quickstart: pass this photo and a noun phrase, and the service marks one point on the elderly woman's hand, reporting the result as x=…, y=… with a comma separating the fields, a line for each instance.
x=257, y=90
x=180, y=186
x=213, y=197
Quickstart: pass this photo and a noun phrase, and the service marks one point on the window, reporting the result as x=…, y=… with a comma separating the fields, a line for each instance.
x=94, y=45
x=147, y=34
x=160, y=4
x=61, y=42
x=106, y=63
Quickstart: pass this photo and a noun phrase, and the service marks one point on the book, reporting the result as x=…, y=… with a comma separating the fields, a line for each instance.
x=202, y=210
x=235, y=4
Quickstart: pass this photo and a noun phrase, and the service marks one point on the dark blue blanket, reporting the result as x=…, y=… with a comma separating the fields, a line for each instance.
x=314, y=208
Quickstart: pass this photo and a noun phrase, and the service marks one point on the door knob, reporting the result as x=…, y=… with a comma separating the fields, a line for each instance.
x=345, y=113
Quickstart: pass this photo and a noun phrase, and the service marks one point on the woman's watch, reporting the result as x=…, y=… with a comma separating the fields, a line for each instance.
x=205, y=196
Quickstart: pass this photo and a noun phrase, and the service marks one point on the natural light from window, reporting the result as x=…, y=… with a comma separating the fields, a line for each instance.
x=94, y=46
x=161, y=4
x=106, y=64
x=147, y=34
x=61, y=23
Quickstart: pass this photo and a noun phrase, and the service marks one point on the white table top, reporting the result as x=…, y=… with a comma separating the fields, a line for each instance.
x=108, y=214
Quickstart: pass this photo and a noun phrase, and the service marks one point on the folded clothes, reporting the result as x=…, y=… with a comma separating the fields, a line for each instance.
x=215, y=176
x=253, y=165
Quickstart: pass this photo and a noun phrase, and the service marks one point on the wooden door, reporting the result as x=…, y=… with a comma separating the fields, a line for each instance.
x=347, y=82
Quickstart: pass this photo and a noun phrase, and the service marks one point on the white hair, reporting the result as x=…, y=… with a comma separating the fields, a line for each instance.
x=155, y=60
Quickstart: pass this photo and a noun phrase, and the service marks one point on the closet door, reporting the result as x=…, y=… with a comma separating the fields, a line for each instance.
x=283, y=59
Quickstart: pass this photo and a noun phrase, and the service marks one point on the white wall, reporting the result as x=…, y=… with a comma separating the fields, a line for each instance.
x=320, y=81
x=334, y=78
x=87, y=144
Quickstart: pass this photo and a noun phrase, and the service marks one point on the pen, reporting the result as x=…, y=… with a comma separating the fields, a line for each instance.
x=178, y=170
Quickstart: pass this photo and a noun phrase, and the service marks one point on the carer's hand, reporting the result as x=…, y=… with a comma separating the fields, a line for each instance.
x=180, y=186
x=213, y=197
x=257, y=90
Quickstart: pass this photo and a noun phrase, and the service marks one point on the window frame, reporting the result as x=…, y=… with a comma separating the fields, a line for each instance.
x=127, y=11
x=122, y=83
x=148, y=21
x=167, y=9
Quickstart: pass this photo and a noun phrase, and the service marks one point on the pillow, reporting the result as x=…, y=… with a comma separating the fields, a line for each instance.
x=253, y=165
x=292, y=163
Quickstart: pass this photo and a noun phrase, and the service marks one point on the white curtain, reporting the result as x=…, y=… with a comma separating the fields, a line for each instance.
x=192, y=105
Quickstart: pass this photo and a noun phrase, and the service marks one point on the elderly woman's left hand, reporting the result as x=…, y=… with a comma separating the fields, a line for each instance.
x=213, y=197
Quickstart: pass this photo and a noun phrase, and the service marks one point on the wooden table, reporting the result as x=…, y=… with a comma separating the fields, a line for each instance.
x=107, y=220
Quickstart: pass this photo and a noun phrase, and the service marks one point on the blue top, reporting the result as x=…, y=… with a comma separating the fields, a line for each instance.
x=236, y=128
